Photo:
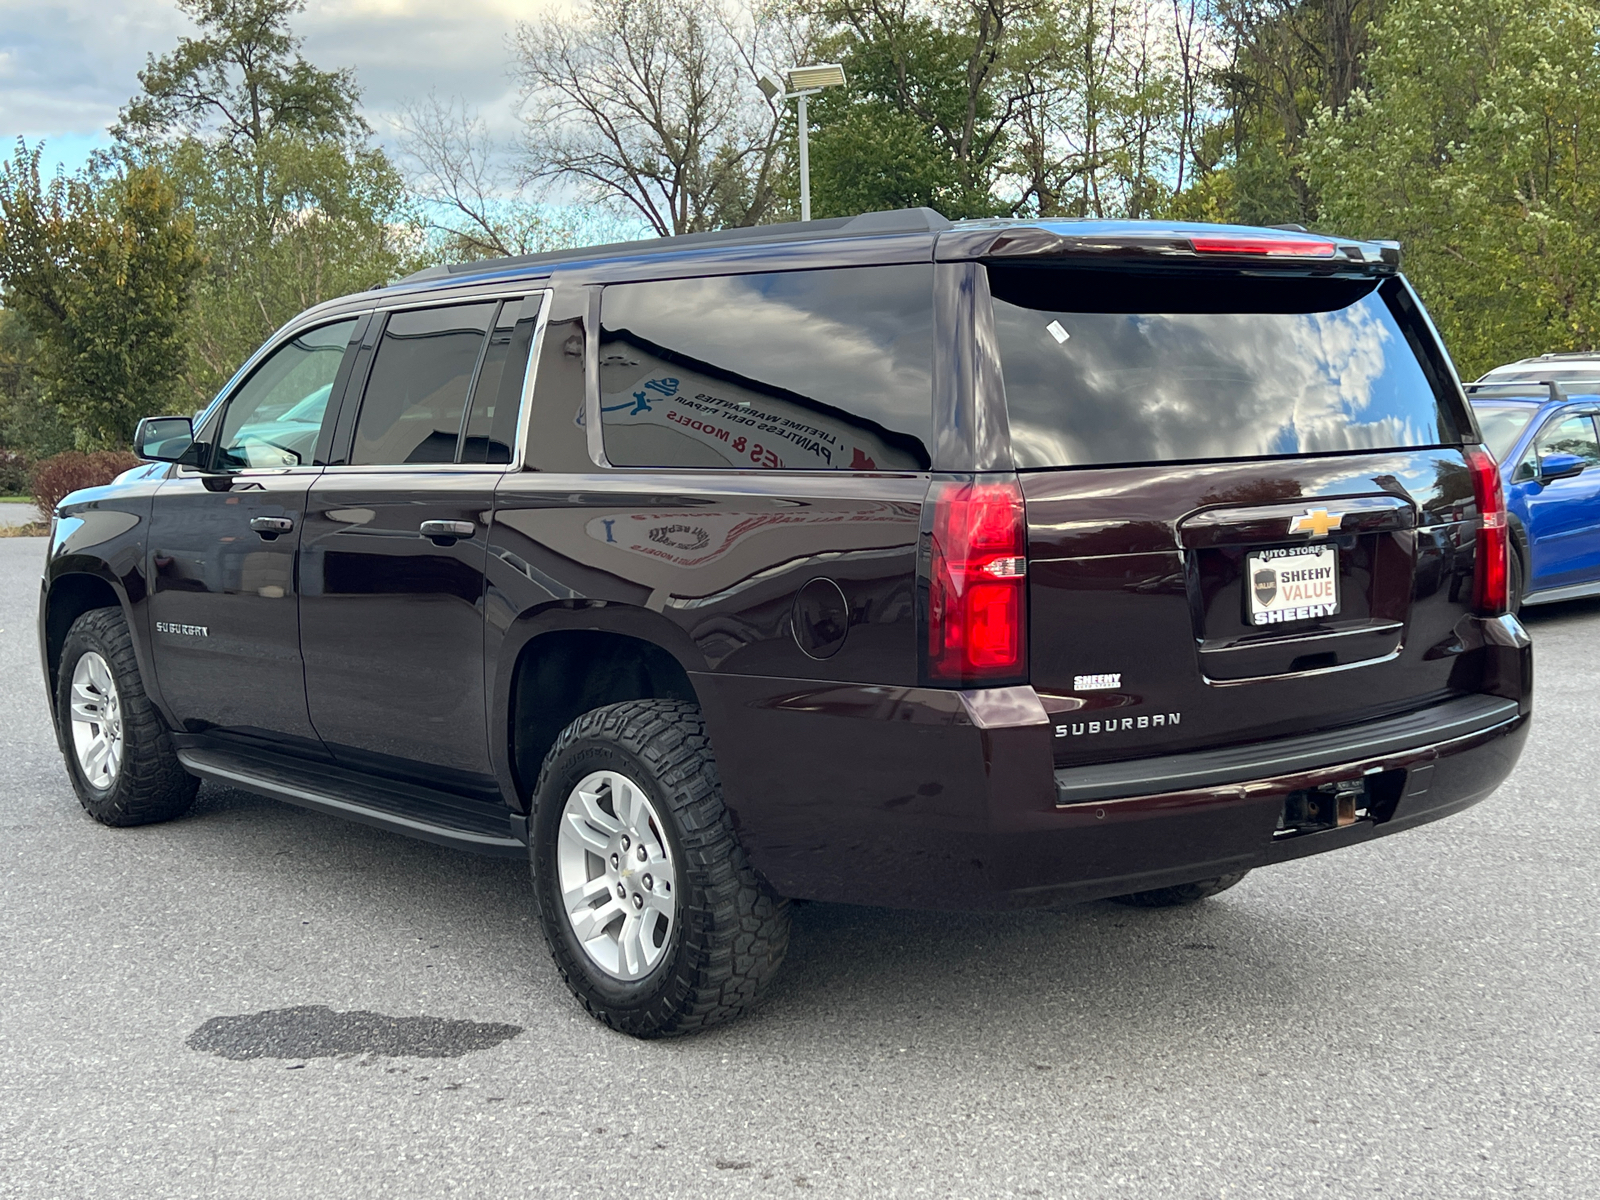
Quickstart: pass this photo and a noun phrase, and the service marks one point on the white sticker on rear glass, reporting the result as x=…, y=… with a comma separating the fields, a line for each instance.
x=1058, y=332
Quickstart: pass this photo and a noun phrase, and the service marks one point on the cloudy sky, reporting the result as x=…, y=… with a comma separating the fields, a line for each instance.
x=66, y=66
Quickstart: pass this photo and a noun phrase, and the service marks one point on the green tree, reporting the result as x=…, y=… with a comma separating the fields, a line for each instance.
x=293, y=205
x=1477, y=145
x=99, y=266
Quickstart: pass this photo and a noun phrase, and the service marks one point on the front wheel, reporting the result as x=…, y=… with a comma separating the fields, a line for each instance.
x=654, y=916
x=119, y=756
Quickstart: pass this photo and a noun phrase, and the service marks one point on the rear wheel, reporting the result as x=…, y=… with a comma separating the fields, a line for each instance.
x=1516, y=581
x=1183, y=893
x=654, y=916
x=119, y=756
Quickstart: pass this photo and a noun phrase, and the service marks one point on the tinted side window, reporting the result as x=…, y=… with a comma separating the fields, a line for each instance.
x=497, y=395
x=1569, y=435
x=275, y=416
x=1106, y=367
x=411, y=411
x=807, y=370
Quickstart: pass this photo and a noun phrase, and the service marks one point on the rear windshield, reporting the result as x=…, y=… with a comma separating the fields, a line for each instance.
x=1502, y=425
x=1109, y=367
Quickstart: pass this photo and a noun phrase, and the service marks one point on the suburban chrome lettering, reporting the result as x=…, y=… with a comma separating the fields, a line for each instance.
x=185, y=630
x=1118, y=725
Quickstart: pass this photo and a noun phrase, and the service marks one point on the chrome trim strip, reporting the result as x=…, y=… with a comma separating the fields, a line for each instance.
x=519, y=454
x=1308, y=636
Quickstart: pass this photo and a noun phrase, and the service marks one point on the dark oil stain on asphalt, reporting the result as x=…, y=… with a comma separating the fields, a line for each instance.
x=316, y=1031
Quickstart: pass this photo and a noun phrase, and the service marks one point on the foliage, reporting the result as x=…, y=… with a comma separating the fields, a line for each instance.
x=28, y=425
x=1477, y=144
x=473, y=203
x=16, y=473
x=98, y=265
x=982, y=107
x=56, y=477
x=292, y=204
x=652, y=105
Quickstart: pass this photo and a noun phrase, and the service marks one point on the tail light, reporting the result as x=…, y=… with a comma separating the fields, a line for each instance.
x=977, y=584
x=1489, y=583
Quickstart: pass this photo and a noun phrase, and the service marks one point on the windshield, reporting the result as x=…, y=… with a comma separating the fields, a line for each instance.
x=1502, y=425
x=1108, y=367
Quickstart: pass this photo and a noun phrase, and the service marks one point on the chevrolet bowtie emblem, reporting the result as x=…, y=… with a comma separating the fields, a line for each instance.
x=1316, y=522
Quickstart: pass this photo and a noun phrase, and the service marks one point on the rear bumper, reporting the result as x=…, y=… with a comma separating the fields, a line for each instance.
x=923, y=798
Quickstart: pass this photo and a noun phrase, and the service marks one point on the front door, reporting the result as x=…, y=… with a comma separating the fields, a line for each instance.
x=1564, y=514
x=224, y=605
x=392, y=558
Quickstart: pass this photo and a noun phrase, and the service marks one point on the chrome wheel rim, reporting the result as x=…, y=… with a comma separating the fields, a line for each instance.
x=96, y=721
x=615, y=872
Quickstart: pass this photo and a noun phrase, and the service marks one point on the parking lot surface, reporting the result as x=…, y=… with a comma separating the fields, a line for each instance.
x=262, y=1001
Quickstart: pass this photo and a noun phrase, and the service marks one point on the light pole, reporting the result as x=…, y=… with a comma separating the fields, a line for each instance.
x=799, y=83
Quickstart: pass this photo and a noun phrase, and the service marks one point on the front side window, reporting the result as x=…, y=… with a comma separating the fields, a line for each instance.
x=1568, y=435
x=797, y=370
x=274, y=418
x=1104, y=367
x=412, y=408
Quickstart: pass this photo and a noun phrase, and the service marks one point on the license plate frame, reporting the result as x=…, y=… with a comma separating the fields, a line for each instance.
x=1310, y=592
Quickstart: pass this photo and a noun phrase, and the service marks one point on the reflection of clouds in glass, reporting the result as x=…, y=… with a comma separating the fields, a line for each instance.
x=1152, y=387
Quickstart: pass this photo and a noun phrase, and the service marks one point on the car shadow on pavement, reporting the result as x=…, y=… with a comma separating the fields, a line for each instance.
x=973, y=978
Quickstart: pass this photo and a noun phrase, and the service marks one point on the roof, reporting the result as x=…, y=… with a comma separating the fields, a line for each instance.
x=960, y=240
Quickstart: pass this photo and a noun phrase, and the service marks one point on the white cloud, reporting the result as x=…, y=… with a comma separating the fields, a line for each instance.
x=67, y=66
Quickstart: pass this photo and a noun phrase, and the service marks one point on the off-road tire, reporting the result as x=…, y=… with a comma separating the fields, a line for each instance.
x=1183, y=893
x=729, y=933
x=150, y=785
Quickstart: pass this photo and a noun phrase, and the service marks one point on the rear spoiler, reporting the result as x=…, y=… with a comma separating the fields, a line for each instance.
x=1221, y=247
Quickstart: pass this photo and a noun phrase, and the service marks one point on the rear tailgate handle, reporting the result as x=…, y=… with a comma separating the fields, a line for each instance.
x=1308, y=517
x=270, y=527
x=445, y=533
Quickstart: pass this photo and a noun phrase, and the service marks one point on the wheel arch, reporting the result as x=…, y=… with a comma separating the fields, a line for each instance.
x=70, y=594
x=563, y=661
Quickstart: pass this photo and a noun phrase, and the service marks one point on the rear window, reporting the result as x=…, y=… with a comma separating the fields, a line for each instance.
x=1108, y=367
x=1502, y=425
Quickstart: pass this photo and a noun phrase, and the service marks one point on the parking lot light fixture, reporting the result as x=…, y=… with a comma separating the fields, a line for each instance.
x=800, y=83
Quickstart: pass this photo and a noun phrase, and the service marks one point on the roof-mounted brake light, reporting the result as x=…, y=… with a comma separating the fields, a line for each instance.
x=1271, y=247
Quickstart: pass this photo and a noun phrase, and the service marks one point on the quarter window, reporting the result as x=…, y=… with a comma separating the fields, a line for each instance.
x=798, y=370
x=274, y=418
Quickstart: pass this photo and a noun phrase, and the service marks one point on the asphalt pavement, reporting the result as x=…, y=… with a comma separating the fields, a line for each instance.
x=260, y=1001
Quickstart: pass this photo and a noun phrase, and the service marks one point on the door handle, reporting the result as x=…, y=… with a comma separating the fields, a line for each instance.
x=446, y=532
x=271, y=527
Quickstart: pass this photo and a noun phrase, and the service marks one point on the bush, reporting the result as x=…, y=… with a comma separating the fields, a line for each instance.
x=15, y=473
x=55, y=477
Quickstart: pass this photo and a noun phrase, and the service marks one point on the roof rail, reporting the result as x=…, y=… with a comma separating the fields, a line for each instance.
x=905, y=220
x=1557, y=395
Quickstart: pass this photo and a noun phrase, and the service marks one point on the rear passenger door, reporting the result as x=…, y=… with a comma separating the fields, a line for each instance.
x=392, y=558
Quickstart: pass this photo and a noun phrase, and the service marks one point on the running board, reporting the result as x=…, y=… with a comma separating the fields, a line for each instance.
x=386, y=804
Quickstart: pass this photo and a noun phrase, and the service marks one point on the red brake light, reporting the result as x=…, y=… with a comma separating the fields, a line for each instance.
x=1489, y=582
x=1270, y=246
x=977, y=584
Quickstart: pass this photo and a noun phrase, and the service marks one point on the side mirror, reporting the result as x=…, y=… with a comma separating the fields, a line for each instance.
x=165, y=439
x=1559, y=466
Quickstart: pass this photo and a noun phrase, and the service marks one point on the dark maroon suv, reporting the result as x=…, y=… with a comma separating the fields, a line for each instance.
x=883, y=560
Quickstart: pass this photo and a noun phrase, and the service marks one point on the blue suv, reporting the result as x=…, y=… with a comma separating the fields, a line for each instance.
x=1546, y=443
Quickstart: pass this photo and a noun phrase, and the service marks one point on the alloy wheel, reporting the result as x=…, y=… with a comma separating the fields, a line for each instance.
x=616, y=875
x=97, y=737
